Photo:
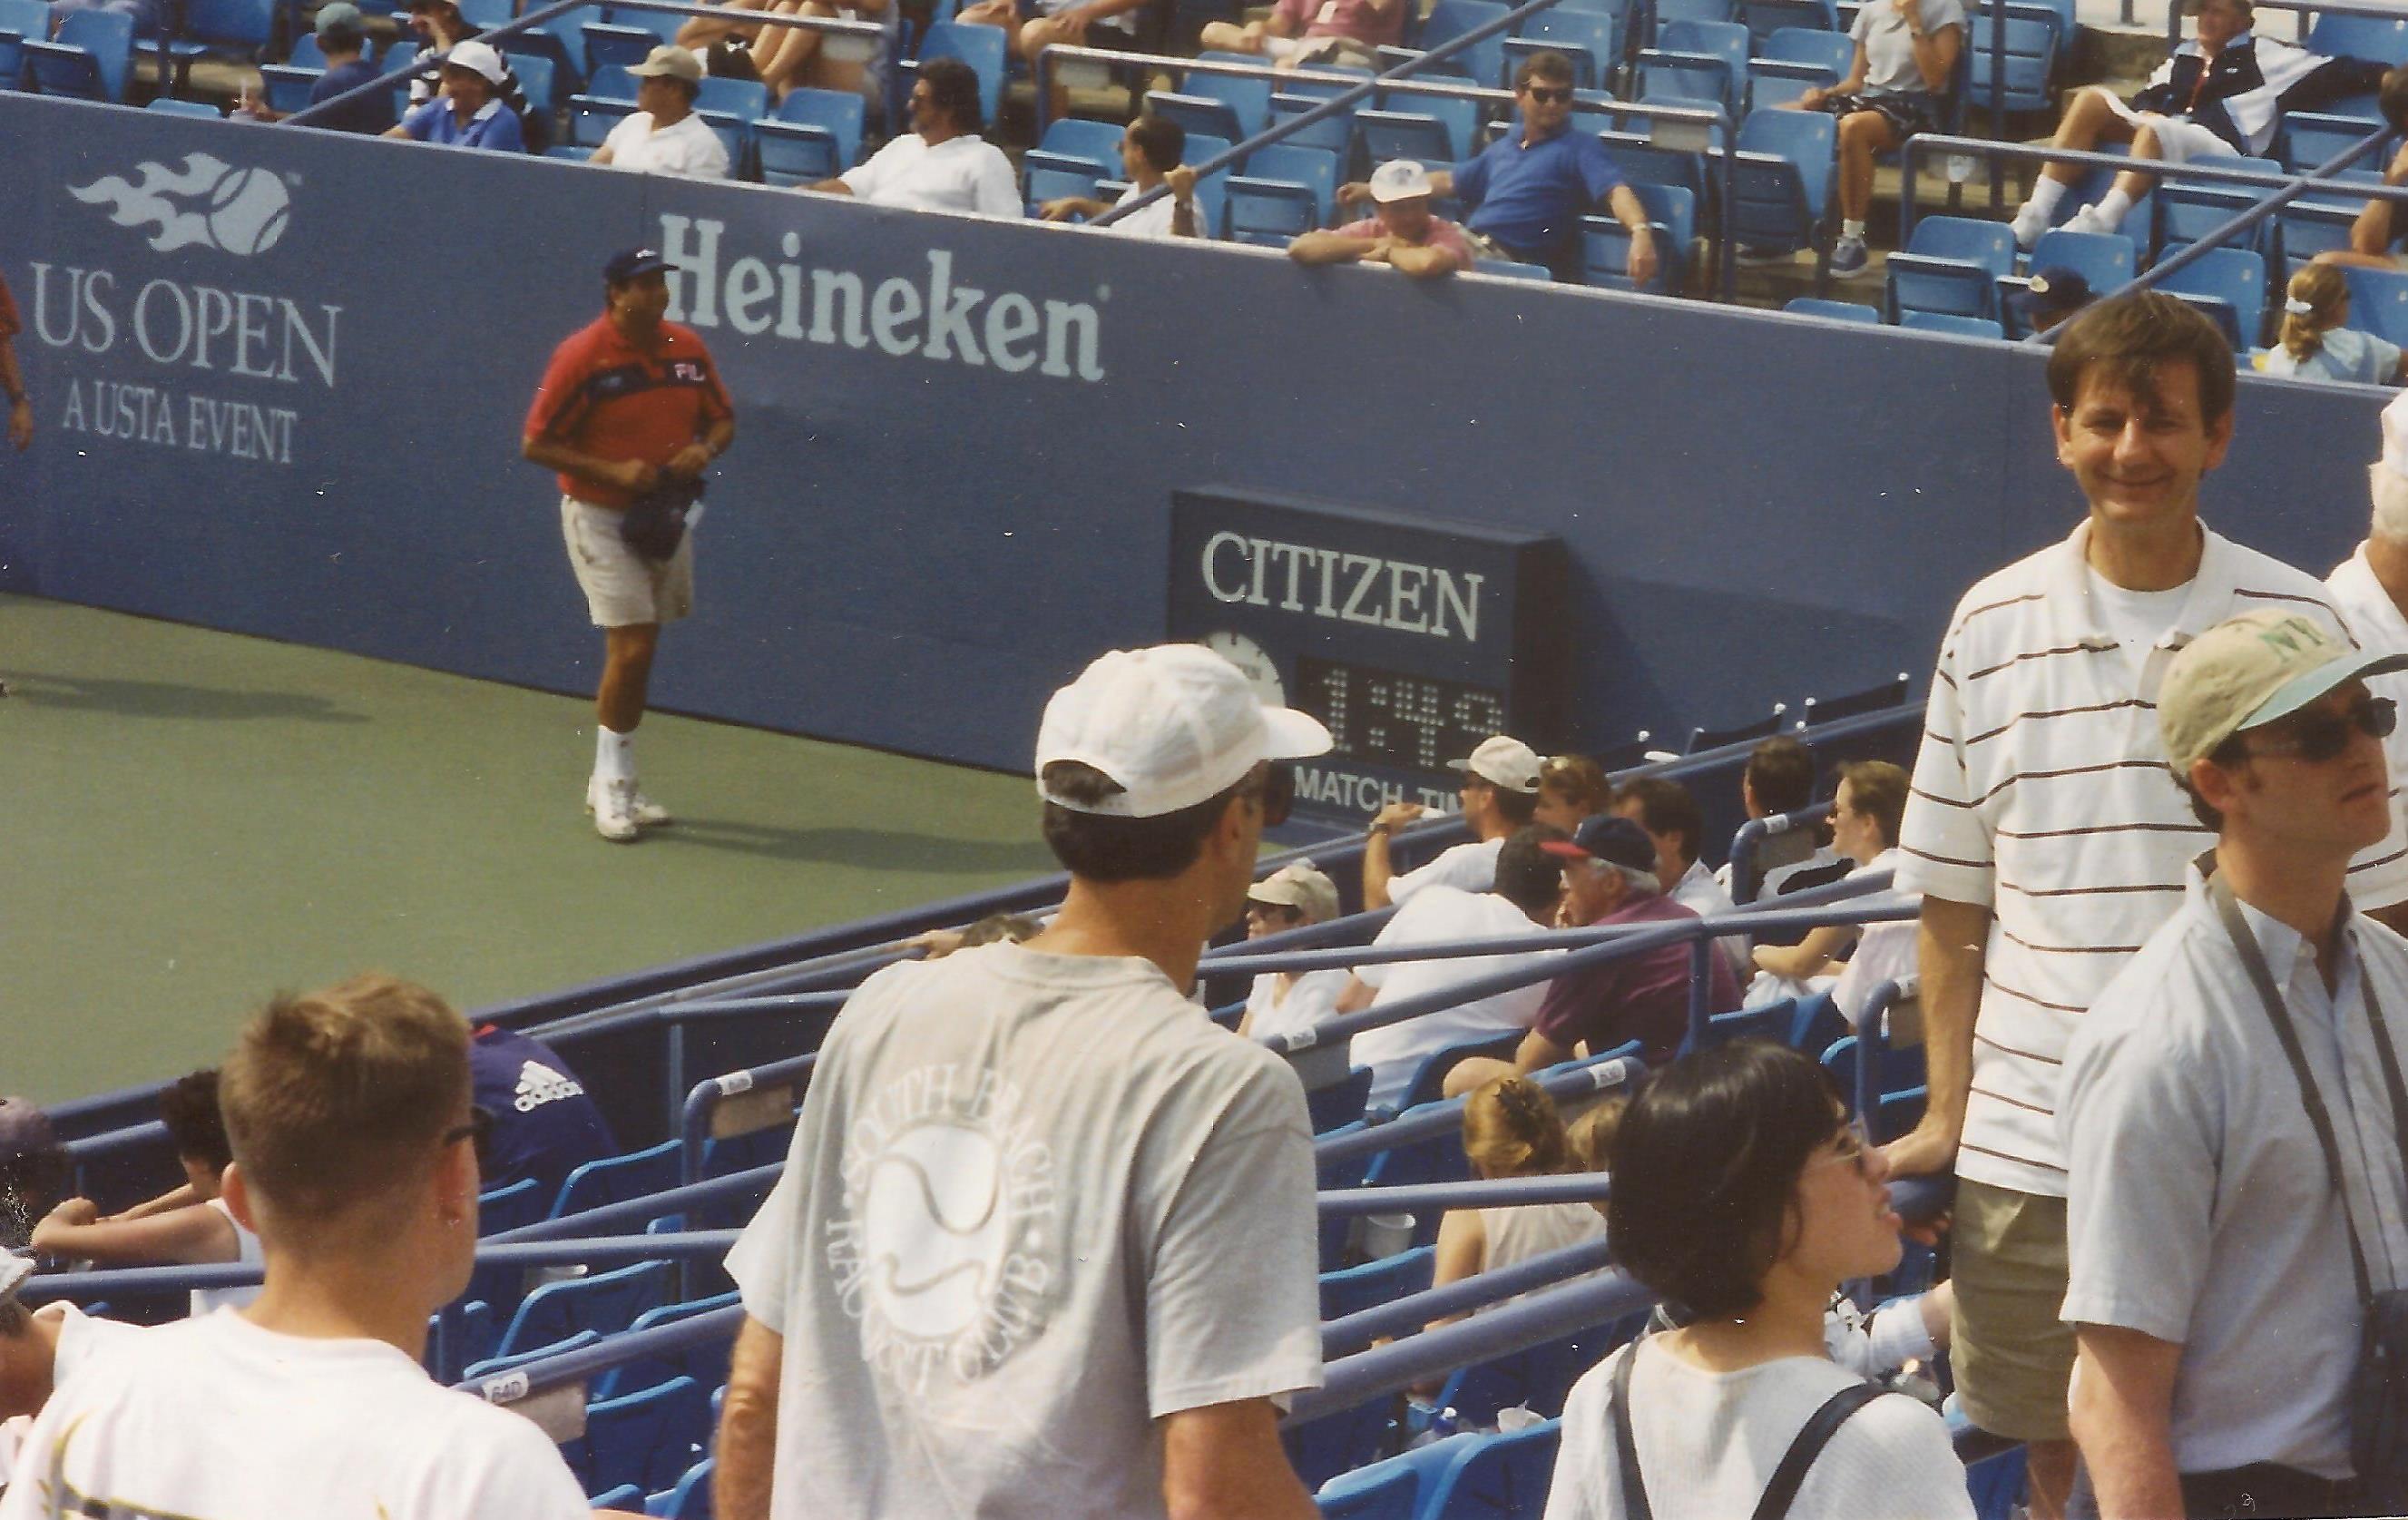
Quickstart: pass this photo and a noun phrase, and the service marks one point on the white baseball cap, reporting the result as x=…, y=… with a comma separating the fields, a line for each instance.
x=476, y=58
x=1399, y=179
x=1174, y=724
x=1504, y=762
x=1301, y=886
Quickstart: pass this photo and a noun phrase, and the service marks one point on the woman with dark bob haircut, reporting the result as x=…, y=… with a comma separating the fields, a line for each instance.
x=1741, y=1194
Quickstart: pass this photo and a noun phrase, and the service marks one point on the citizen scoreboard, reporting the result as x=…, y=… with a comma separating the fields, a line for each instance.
x=1412, y=638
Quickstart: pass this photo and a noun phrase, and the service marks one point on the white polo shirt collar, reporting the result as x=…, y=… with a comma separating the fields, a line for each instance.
x=2073, y=612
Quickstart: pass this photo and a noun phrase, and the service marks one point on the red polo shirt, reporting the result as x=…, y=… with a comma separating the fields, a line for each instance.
x=1643, y=996
x=10, y=325
x=604, y=396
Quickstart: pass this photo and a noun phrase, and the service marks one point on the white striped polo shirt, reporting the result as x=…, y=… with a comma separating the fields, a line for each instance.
x=2375, y=619
x=2043, y=792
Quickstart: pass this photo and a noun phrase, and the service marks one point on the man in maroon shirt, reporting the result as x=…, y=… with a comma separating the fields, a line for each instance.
x=630, y=405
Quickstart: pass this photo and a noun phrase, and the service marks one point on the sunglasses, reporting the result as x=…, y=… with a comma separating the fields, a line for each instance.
x=478, y=1132
x=2319, y=737
x=1546, y=94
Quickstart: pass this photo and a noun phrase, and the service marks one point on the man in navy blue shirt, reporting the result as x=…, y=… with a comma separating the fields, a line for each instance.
x=545, y=1125
x=343, y=39
x=1527, y=192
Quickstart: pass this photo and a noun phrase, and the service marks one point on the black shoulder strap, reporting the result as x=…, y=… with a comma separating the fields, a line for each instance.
x=1617, y=1414
x=1820, y=1428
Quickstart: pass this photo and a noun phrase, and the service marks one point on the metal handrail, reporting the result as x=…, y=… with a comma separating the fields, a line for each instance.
x=1426, y=1121
x=1745, y=880
x=693, y=1125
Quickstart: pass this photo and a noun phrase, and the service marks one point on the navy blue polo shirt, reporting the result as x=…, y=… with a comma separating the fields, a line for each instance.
x=1531, y=199
x=545, y=1127
x=370, y=113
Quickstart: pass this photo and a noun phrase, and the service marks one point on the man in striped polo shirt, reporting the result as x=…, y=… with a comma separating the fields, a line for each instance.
x=2046, y=835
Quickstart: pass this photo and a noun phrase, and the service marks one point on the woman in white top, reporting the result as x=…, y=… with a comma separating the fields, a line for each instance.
x=188, y=1225
x=1284, y=1002
x=1743, y=1197
x=1865, y=816
x=2317, y=341
x=1510, y=1130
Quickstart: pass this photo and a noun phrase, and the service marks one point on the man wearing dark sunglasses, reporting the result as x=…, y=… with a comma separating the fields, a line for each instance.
x=1046, y=1238
x=1527, y=191
x=2231, y=1104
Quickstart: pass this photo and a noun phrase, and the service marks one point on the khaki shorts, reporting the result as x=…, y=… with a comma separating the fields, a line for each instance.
x=623, y=587
x=2013, y=1355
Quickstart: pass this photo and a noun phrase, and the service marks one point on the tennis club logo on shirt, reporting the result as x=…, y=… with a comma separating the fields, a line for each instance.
x=939, y=1245
x=539, y=1085
x=208, y=202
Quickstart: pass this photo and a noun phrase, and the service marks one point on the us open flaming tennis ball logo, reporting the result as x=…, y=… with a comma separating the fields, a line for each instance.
x=942, y=1246
x=207, y=204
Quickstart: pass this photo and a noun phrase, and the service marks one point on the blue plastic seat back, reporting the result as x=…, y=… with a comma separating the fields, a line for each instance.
x=604, y=1303
x=1781, y=178
x=1816, y=1024
x=626, y=46
x=1952, y=267
x=1212, y=190
x=747, y=100
x=591, y=117
x=510, y=1208
x=1354, y=1289
x=485, y=15
x=539, y=78
x=1989, y=244
x=1075, y=137
x=706, y=1364
x=512, y=1361
x=241, y=26
x=1429, y=1078
x=1939, y=322
x=1050, y=177
x=1724, y=40
x=647, y=1439
x=1314, y=168
x=663, y=24
x=2312, y=138
x=1340, y=1103
x=691, y=1498
x=2307, y=227
x=2030, y=44
x=618, y=1178
x=1605, y=244
x=1388, y=135
x=1499, y=1475
x=1346, y=1173
x=1484, y=61
x=627, y=1498
x=2382, y=38
x=25, y=21
x=835, y=113
x=1591, y=39
x=105, y=38
x=982, y=48
x=1830, y=51
x=2378, y=303
x=1196, y=113
x=202, y=109
x=1332, y=134
x=306, y=53
x=1249, y=98
x=2105, y=259
x=2230, y=286
x=1770, y=1022
x=1816, y=305
x=2188, y=210
x=1668, y=12
x=1392, y=1488
x=1641, y=162
x=1763, y=17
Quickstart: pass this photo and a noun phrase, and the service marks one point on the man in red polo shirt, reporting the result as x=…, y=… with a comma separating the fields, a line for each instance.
x=12, y=381
x=631, y=405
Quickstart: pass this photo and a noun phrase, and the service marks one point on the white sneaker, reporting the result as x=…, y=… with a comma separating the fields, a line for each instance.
x=2089, y=219
x=2028, y=224
x=642, y=808
x=614, y=815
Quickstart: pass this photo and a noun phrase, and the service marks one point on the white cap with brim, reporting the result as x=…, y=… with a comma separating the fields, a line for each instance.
x=2250, y=671
x=1505, y=762
x=1301, y=886
x=1174, y=724
x=478, y=58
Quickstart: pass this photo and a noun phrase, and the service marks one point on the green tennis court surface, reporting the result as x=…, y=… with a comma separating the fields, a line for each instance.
x=190, y=820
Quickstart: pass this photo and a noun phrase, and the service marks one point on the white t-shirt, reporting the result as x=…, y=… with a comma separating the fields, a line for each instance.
x=247, y=1253
x=1312, y=1000
x=687, y=148
x=1516, y=1233
x=80, y=1337
x=217, y=1419
x=1153, y=222
x=1885, y=953
x=2347, y=354
x=1471, y=867
x=2136, y=620
x=1035, y=1203
x=1708, y=1443
x=960, y=174
x=1438, y=913
x=1889, y=47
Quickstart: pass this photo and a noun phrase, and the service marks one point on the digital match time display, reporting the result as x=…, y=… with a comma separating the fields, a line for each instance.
x=1411, y=637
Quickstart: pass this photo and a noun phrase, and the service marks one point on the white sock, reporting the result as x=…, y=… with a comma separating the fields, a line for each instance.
x=2114, y=208
x=1852, y=229
x=614, y=754
x=2045, y=196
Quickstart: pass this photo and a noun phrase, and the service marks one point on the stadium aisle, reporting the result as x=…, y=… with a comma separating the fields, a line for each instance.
x=193, y=819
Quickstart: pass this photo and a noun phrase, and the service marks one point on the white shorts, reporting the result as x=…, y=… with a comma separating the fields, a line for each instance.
x=2178, y=141
x=623, y=587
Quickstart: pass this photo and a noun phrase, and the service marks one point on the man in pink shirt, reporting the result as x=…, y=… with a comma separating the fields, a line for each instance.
x=1402, y=235
x=1304, y=32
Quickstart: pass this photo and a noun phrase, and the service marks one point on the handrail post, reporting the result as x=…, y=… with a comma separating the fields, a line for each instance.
x=676, y=1063
x=1702, y=983
x=1871, y=1045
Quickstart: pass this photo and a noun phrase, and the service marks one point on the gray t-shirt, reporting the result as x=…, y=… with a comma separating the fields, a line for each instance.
x=2199, y=1206
x=1034, y=1202
x=1889, y=47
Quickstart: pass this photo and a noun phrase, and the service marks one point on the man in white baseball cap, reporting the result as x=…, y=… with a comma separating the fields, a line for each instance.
x=470, y=112
x=2233, y=1102
x=1500, y=795
x=1047, y=1235
x=663, y=135
x=1400, y=233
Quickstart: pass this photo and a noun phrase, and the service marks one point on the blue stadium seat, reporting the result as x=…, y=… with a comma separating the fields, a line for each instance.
x=691, y=1498
x=2105, y=259
x=2307, y=227
x=604, y=1303
x=747, y=100
x=1284, y=191
x=2031, y=49
x=612, y=82
x=2339, y=34
x=539, y=78
x=2378, y=303
x=1249, y=98
x=1484, y=61
x=1770, y=1021
x=626, y=46
x=1212, y=190
x=1951, y=266
x=1698, y=59
x=1390, y=1489
x=620, y=1499
x=512, y=1361
x=663, y=24
x=617, y=1178
x=1429, y=1078
x=1354, y=1289
x=1900, y=1069
x=646, y=1440
x=510, y=1208
x=1206, y=114
x=2230, y=285
x=2188, y=210
x=705, y=1364
x=1592, y=39
x=487, y=14
x=521, y=49
x=285, y=86
x=1077, y=137
x=816, y=135
x=1047, y=176
x=1764, y=17
x=1794, y=60
x=239, y=28
x=1940, y=321
x=202, y=109
x=982, y=48
x=1498, y=1476
x=1419, y=136
x=590, y=119
x=21, y=21
x=90, y=57
x=1781, y=181
x=1692, y=10
x=1340, y=1103
x=1334, y=133
x=1641, y=162
x=742, y=1152
x=1816, y=306
x=306, y=53
x=2310, y=139
x=1605, y=246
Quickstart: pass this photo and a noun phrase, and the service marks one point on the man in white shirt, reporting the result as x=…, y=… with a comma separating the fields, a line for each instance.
x=2043, y=835
x=1670, y=814
x=1151, y=150
x=941, y=163
x=2231, y=1115
x=2371, y=587
x=353, y=1159
x=663, y=136
x=1500, y=795
x=1528, y=886
x=1045, y=1242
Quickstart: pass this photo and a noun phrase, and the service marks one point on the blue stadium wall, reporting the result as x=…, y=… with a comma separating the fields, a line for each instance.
x=281, y=385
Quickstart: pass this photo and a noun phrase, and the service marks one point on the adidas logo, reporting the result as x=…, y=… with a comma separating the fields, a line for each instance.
x=539, y=1085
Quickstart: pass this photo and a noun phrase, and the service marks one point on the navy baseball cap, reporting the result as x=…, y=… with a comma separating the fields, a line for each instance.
x=1610, y=838
x=2053, y=290
x=628, y=264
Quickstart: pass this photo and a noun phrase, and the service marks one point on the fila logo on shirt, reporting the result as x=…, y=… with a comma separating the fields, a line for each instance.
x=539, y=1085
x=939, y=1244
